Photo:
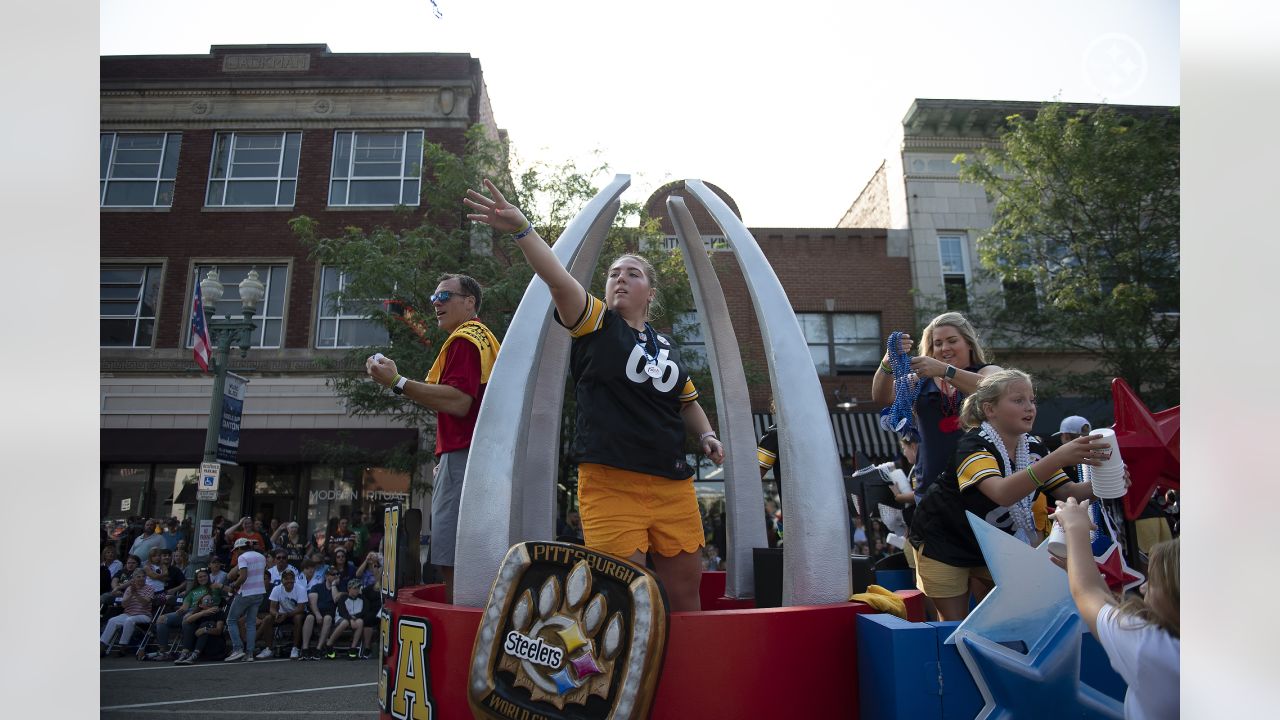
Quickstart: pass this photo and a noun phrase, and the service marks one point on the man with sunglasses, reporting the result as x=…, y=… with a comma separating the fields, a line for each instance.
x=453, y=388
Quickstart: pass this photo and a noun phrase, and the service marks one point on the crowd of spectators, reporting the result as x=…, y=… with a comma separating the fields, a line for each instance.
x=311, y=599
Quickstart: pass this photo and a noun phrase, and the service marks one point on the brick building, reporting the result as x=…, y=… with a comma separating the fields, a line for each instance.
x=204, y=160
x=849, y=288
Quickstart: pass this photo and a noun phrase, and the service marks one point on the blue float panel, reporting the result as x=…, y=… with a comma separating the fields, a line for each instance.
x=897, y=669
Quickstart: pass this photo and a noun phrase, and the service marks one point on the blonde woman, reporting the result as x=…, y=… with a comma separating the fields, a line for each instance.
x=997, y=470
x=635, y=405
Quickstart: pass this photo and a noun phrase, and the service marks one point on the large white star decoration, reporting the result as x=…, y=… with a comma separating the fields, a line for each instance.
x=1043, y=684
x=1030, y=593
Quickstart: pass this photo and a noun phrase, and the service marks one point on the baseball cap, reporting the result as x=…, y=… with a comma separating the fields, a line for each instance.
x=241, y=542
x=1075, y=425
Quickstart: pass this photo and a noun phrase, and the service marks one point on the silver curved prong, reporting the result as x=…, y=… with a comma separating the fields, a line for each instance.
x=733, y=407
x=816, y=552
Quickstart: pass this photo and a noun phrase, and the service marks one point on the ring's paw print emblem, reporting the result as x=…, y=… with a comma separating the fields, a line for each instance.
x=556, y=647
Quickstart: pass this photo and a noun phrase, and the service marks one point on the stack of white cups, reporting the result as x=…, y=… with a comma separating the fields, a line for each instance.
x=1107, y=478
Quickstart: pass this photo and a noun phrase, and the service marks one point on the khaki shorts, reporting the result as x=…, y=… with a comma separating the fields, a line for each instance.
x=624, y=512
x=1151, y=531
x=910, y=552
x=940, y=580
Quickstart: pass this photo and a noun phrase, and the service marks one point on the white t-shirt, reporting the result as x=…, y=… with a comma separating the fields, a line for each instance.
x=253, y=563
x=157, y=585
x=1147, y=657
x=276, y=572
x=309, y=585
x=289, y=599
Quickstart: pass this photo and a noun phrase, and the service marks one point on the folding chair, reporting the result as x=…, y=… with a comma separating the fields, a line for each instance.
x=141, y=645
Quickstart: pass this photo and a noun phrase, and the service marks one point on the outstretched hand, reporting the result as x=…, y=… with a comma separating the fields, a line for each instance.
x=494, y=210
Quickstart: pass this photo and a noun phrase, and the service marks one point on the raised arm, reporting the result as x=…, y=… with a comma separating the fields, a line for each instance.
x=1087, y=450
x=1088, y=589
x=569, y=296
x=882, y=392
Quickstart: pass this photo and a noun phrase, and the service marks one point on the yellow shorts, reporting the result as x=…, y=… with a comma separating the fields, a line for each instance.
x=910, y=552
x=1151, y=531
x=940, y=580
x=624, y=512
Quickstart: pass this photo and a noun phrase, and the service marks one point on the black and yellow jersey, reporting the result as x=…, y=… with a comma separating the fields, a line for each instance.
x=939, y=522
x=627, y=418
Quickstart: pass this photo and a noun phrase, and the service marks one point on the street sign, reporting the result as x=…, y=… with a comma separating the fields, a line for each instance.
x=208, y=487
x=205, y=545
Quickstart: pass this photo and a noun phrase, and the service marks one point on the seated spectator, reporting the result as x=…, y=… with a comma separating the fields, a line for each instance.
x=351, y=617
x=287, y=538
x=203, y=631
x=244, y=529
x=173, y=620
x=370, y=570
x=371, y=593
x=317, y=543
x=346, y=568
x=322, y=600
x=111, y=567
x=216, y=575
x=157, y=576
x=317, y=557
x=175, y=580
x=137, y=611
x=361, y=531
x=276, y=570
x=111, y=600
x=341, y=537
x=289, y=601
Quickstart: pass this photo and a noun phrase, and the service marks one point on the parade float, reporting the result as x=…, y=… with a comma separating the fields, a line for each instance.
x=543, y=629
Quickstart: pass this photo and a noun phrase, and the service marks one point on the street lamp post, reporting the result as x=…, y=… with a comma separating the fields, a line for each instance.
x=224, y=333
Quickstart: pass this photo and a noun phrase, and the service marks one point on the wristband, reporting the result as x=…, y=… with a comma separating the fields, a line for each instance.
x=707, y=434
x=398, y=386
x=520, y=234
x=1034, y=479
x=886, y=369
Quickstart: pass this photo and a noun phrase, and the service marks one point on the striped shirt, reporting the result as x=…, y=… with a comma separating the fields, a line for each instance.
x=137, y=601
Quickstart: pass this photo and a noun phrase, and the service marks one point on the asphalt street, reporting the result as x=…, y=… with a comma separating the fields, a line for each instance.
x=331, y=689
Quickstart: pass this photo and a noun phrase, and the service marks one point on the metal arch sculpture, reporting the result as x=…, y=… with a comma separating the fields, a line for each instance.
x=733, y=407
x=500, y=446
x=508, y=491
x=816, y=567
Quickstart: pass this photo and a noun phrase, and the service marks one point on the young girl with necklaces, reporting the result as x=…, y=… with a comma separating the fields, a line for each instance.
x=998, y=469
x=1140, y=636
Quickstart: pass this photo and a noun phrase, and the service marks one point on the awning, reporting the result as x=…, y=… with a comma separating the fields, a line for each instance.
x=854, y=432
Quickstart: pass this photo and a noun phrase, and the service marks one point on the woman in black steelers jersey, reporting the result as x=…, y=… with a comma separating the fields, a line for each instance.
x=635, y=404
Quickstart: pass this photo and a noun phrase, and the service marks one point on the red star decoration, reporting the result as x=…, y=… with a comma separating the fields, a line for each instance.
x=1149, y=445
x=1116, y=571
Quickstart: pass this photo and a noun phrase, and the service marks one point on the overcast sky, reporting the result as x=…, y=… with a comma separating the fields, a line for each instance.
x=789, y=105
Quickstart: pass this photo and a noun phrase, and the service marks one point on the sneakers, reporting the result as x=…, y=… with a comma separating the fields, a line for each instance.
x=236, y=656
x=265, y=653
x=366, y=654
x=332, y=654
x=185, y=658
x=295, y=654
x=353, y=654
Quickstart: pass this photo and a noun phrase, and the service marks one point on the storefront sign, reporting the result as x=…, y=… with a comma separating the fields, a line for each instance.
x=232, y=408
x=204, y=547
x=125, y=504
x=208, y=487
x=568, y=633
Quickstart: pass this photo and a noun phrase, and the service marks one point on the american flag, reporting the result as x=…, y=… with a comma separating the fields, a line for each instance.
x=199, y=332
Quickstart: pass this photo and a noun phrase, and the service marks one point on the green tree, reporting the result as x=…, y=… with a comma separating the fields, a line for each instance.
x=403, y=266
x=1085, y=245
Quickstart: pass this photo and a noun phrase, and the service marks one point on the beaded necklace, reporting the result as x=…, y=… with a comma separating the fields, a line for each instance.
x=645, y=338
x=1020, y=510
x=950, y=404
x=897, y=417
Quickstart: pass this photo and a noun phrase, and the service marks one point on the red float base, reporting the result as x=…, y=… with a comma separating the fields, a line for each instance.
x=727, y=661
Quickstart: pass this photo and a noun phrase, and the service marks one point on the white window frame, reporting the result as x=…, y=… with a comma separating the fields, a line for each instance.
x=137, y=317
x=280, y=177
x=172, y=142
x=967, y=275
x=831, y=344
x=340, y=317
x=403, y=177
x=231, y=290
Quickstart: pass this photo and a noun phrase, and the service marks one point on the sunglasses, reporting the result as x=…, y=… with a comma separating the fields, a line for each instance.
x=444, y=295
